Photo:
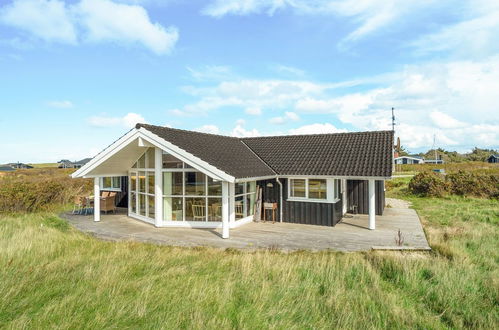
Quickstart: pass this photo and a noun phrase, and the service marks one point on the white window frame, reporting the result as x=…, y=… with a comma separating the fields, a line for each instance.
x=332, y=193
x=244, y=194
x=118, y=189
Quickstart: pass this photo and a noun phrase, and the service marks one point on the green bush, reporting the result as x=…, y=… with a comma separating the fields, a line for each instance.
x=463, y=183
x=428, y=184
x=39, y=190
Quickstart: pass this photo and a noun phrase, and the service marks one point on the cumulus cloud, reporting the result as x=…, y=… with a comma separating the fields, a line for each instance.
x=60, y=104
x=127, y=121
x=317, y=129
x=240, y=131
x=212, y=129
x=255, y=111
x=89, y=21
x=288, y=116
x=44, y=19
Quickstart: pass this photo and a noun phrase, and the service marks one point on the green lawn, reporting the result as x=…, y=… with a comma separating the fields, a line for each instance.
x=52, y=276
x=45, y=165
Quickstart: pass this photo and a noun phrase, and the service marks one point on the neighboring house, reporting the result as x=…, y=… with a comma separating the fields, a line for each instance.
x=411, y=159
x=6, y=168
x=493, y=159
x=433, y=161
x=19, y=166
x=179, y=178
x=69, y=164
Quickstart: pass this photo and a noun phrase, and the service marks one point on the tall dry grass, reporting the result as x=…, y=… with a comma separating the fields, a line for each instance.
x=37, y=190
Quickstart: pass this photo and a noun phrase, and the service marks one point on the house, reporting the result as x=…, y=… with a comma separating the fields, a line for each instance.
x=493, y=159
x=19, y=166
x=179, y=178
x=433, y=161
x=6, y=168
x=69, y=164
x=410, y=159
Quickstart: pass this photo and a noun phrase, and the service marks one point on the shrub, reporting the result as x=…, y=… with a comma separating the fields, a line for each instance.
x=428, y=184
x=473, y=184
x=39, y=190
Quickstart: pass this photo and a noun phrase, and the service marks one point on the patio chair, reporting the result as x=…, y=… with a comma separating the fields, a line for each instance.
x=107, y=204
x=105, y=193
x=215, y=212
x=239, y=209
x=78, y=205
x=198, y=212
x=87, y=204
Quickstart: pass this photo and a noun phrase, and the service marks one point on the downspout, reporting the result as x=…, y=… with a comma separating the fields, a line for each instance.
x=280, y=198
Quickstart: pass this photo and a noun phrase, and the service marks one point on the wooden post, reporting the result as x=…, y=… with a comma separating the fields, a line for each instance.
x=96, y=199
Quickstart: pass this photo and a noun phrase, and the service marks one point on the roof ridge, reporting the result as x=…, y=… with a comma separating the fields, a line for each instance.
x=260, y=158
x=138, y=125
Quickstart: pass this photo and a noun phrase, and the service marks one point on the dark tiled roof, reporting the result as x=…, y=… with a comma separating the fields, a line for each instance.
x=342, y=154
x=225, y=153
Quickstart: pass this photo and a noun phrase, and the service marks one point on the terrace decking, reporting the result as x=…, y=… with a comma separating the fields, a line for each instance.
x=351, y=234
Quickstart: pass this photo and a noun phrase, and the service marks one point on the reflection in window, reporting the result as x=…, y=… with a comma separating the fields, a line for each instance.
x=195, y=183
x=150, y=182
x=214, y=209
x=170, y=161
x=172, y=208
x=172, y=183
x=297, y=187
x=317, y=189
x=214, y=187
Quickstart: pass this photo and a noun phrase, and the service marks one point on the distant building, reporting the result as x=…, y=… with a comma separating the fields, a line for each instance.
x=433, y=161
x=69, y=164
x=411, y=159
x=6, y=168
x=19, y=166
x=493, y=159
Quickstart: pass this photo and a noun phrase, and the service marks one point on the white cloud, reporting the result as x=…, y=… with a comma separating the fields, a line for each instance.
x=211, y=72
x=89, y=21
x=240, y=131
x=288, y=116
x=105, y=20
x=60, y=104
x=316, y=129
x=212, y=129
x=46, y=19
x=443, y=120
x=369, y=15
x=127, y=121
x=255, y=111
x=289, y=70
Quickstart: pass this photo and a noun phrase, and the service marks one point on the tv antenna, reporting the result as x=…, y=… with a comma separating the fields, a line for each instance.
x=393, y=119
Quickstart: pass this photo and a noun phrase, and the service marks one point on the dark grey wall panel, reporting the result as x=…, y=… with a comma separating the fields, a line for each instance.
x=358, y=195
x=323, y=214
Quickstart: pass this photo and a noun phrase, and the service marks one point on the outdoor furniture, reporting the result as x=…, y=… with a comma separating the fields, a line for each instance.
x=198, y=212
x=105, y=194
x=107, y=203
x=78, y=205
x=269, y=207
x=215, y=212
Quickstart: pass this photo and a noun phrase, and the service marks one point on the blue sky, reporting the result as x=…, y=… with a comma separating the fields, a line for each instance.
x=76, y=75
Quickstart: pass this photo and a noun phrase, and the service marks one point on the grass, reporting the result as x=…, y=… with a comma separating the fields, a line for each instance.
x=55, y=277
x=45, y=165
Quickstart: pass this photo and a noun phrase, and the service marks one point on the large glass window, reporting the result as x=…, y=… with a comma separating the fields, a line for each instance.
x=313, y=189
x=195, y=183
x=142, y=185
x=244, y=203
x=172, y=183
x=171, y=162
x=173, y=208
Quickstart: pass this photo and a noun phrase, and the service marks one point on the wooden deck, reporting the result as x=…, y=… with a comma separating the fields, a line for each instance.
x=351, y=234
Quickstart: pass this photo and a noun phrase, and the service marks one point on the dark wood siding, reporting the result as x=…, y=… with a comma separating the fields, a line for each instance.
x=358, y=195
x=322, y=214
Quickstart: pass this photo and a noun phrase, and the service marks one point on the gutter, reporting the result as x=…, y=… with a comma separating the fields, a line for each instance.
x=280, y=198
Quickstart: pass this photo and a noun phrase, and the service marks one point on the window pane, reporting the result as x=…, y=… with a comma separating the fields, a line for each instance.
x=142, y=182
x=141, y=163
x=171, y=162
x=172, y=183
x=172, y=209
x=107, y=182
x=297, y=187
x=195, y=209
x=251, y=186
x=151, y=206
x=239, y=188
x=239, y=207
x=214, y=209
x=133, y=199
x=214, y=187
x=142, y=204
x=250, y=204
x=195, y=183
x=150, y=157
x=133, y=182
x=150, y=182
x=116, y=182
x=317, y=189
